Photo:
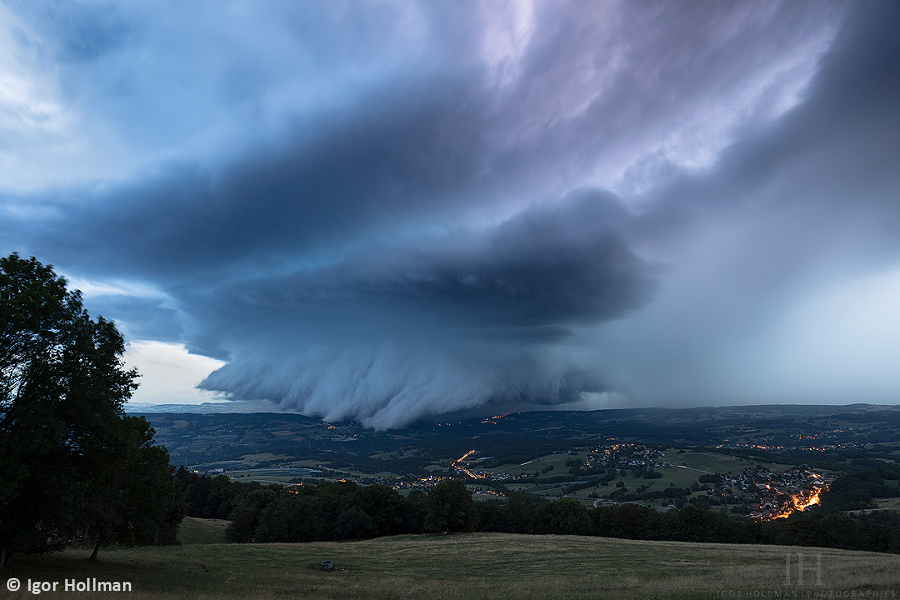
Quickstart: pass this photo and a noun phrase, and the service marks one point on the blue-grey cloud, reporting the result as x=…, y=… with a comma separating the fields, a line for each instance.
x=403, y=209
x=445, y=322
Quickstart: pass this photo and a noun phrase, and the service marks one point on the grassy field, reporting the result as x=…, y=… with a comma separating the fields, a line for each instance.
x=713, y=462
x=468, y=566
x=557, y=461
x=687, y=466
x=202, y=531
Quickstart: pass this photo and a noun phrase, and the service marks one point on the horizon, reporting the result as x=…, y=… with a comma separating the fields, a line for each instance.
x=382, y=212
x=243, y=407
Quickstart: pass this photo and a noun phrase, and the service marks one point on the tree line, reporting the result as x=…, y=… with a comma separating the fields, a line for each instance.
x=856, y=490
x=344, y=511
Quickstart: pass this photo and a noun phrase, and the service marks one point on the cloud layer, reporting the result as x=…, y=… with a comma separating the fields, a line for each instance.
x=403, y=209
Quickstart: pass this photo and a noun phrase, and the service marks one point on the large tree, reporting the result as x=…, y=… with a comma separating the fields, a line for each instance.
x=450, y=508
x=68, y=453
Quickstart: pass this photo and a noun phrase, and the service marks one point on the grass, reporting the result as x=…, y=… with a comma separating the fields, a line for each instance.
x=888, y=504
x=688, y=466
x=255, y=459
x=469, y=566
x=713, y=462
x=202, y=531
x=557, y=461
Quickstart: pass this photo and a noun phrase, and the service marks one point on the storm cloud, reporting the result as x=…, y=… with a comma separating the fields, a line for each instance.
x=391, y=211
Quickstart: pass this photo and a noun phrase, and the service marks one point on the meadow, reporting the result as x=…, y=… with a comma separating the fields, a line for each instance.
x=469, y=566
x=687, y=467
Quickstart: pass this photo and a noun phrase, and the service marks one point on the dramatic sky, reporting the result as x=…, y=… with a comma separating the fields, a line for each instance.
x=391, y=210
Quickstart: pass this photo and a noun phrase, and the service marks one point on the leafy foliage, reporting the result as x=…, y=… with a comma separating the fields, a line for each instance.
x=72, y=465
x=855, y=490
x=450, y=508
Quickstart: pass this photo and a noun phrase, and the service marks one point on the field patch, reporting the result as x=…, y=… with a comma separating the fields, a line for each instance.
x=202, y=531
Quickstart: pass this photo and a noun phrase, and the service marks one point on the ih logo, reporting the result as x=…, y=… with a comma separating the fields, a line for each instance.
x=804, y=566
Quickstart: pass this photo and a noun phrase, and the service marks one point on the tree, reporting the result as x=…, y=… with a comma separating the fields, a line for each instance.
x=450, y=508
x=390, y=512
x=519, y=513
x=151, y=506
x=247, y=514
x=65, y=443
x=353, y=522
x=570, y=517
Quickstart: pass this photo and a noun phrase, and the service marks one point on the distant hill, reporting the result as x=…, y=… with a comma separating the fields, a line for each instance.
x=204, y=437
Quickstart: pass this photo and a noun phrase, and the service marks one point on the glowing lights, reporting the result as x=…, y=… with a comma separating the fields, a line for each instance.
x=799, y=503
x=804, y=504
x=493, y=420
x=464, y=456
x=456, y=464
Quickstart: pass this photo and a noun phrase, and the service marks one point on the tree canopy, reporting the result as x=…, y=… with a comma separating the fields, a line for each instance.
x=72, y=464
x=450, y=508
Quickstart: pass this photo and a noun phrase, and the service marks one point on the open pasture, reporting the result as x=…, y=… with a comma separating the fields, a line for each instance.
x=470, y=566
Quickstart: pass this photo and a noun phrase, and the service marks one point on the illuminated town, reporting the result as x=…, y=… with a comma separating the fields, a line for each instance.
x=764, y=493
x=757, y=492
x=740, y=468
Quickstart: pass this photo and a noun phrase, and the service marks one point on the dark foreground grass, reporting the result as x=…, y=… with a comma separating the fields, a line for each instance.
x=470, y=566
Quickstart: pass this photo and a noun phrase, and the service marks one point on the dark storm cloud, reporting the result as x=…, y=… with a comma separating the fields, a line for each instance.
x=828, y=161
x=411, y=147
x=349, y=177
x=372, y=215
x=547, y=265
x=850, y=112
x=402, y=332
x=141, y=318
x=795, y=215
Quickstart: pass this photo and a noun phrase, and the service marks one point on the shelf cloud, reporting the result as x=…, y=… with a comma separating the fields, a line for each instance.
x=401, y=210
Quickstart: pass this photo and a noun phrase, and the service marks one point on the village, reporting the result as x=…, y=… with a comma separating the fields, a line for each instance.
x=658, y=478
x=605, y=474
x=748, y=472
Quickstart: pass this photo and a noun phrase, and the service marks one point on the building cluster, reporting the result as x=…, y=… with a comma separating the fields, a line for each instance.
x=832, y=440
x=769, y=494
x=481, y=474
x=422, y=483
x=626, y=456
x=757, y=492
x=771, y=446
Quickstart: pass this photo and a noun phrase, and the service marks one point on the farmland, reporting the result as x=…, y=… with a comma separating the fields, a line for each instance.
x=743, y=460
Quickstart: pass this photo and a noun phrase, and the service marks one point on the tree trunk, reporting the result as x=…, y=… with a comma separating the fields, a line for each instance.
x=96, y=551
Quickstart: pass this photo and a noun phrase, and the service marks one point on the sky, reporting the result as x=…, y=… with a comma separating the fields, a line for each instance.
x=390, y=210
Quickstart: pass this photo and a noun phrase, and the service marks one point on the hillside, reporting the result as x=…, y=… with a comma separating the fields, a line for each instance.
x=469, y=566
x=798, y=434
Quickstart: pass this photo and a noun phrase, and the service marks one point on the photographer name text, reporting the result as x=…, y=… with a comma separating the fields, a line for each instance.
x=89, y=584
